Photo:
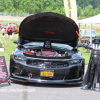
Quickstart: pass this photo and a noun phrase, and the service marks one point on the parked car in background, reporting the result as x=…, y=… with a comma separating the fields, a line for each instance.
x=1, y=14
x=47, y=51
x=85, y=34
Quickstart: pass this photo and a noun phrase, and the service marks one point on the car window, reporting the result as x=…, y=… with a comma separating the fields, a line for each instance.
x=53, y=45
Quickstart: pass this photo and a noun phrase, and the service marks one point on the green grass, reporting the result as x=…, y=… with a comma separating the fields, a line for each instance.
x=98, y=32
x=85, y=55
x=9, y=48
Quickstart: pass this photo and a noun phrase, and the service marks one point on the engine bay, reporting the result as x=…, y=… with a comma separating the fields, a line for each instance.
x=47, y=50
x=47, y=53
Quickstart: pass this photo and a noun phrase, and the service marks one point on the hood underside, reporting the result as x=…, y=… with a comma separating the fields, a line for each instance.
x=48, y=26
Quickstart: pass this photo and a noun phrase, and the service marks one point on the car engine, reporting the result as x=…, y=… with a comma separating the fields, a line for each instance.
x=47, y=53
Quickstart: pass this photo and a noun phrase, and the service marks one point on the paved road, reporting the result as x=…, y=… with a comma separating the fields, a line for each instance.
x=22, y=91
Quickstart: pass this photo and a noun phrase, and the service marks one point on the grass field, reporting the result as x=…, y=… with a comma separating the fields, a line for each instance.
x=10, y=46
x=98, y=32
x=85, y=55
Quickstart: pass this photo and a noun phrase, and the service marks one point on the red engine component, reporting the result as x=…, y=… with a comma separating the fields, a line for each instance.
x=47, y=52
x=29, y=52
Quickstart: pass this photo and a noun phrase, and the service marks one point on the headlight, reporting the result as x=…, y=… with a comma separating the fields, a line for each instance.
x=19, y=58
x=75, y=61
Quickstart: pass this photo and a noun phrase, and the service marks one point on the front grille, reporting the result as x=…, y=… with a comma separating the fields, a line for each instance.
x=47, y=64
x=32, y=62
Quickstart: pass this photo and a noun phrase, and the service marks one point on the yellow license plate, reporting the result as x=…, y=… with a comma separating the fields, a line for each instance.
x=47, y=73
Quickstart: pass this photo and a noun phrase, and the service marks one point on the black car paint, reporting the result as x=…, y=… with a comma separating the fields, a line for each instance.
x=69, y=74
x=72, y=74
x=40, y=27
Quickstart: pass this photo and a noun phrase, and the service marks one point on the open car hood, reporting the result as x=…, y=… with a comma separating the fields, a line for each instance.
x=48, y=26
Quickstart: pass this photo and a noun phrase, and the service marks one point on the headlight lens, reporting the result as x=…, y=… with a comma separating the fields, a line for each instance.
x=19, y=58
x=75, y=61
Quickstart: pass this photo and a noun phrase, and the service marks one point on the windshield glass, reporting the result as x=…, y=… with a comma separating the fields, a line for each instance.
x=59, y=45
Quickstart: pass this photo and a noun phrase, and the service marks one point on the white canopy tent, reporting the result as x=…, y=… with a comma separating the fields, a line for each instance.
x=94, y=19
x=90, y=21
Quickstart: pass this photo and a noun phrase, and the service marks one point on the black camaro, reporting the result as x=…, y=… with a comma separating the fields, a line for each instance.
x=47, y=51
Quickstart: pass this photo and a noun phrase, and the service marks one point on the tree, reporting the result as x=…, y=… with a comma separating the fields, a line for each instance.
x=88, y=12
x=85, y=8
x=79, y=10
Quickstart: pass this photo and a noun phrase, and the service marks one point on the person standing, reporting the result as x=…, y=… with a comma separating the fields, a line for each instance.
x=9, y=31
x=92, y=75
x=87, y=41
x=0, y=27
x=14, y=30
x=3, y=32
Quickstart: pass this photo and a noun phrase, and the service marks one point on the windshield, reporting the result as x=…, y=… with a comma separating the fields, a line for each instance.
x=59, y=45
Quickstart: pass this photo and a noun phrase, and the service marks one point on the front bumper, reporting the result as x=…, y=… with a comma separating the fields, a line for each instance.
x=26, y=79
x=70, y=75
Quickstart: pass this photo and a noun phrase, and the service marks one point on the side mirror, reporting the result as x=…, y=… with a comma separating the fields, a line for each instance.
x=16, y=42
x=80, y=45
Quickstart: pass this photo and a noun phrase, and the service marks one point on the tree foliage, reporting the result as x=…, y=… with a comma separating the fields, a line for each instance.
x=89, y=8
x=32, y=6
x=85, y=8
